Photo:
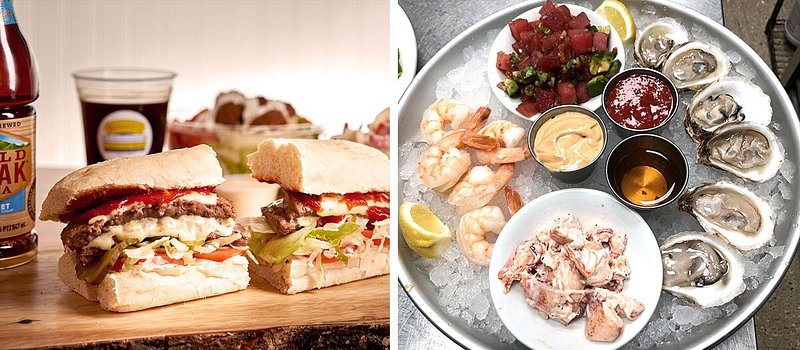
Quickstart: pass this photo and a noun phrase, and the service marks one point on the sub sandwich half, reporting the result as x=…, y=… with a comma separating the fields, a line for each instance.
x=148, y=231
x=331, y=225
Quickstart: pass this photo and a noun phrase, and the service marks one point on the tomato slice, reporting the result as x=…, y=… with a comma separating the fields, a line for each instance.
x=220, y=254
x=377, y=241
x=331, y=260
x=366, y=233
x=119, y=263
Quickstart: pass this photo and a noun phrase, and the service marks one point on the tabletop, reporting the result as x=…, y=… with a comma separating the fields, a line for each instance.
x=435, y=23
x=40, y=311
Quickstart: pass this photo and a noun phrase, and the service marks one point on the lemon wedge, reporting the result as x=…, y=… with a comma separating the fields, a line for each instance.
x=422, y=230
x=617, y=14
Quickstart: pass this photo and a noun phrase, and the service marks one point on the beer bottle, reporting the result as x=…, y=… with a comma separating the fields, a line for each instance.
x=19, y=87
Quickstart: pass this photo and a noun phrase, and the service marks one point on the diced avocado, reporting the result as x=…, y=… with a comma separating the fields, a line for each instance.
x=568, y=66
x=616, y=65
x=515, y=59
x=595, y=86
x=529, y=90
x=543, y=29
x=541, y=78
x=525, y=76
x=601, y=62
x=510, y=87
x=593, y=29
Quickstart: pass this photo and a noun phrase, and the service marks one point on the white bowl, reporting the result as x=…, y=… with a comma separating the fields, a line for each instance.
x=591, y=206
x=503, y=43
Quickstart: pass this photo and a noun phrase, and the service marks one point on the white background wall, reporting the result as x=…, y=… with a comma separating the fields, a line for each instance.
x=329, y=58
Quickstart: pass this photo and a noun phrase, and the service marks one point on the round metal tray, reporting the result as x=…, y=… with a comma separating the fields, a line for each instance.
x=422, y=92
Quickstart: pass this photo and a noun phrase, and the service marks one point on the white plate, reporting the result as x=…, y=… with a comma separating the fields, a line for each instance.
x=403, y=39
x=591, y=206
x=505, y=39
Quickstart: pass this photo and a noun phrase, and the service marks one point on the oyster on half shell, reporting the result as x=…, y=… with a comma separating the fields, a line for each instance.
x=729, y=100
x=702, y=269
x=694, y=65
x=748, y=150
x=738, y=215
x=656, y=40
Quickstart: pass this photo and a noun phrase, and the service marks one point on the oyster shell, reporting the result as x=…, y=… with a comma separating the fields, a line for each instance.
x=729, y=100
x=694, y=65
x=656, y=40
x=702, y=269
x=748, y=150
x=738, y=215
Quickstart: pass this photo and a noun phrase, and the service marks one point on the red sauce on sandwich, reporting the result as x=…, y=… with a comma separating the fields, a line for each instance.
x=147, y=198
x=329, y=219
x=377, y=213
x=354, y=200
x=309, y=200
x=360, y=199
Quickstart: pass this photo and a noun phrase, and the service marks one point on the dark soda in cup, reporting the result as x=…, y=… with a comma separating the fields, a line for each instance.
x=124, y=111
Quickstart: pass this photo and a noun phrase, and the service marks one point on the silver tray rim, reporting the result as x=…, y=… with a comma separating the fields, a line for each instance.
x=766, y=288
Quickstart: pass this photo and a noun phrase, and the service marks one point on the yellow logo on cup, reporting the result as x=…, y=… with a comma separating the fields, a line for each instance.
x=124, y=133
x=124, y=127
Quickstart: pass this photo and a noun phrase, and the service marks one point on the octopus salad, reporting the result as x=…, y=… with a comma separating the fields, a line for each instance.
x=569, y=270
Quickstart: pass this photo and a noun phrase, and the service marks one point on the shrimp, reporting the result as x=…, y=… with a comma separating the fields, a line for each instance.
x=479, y=186
x=472, y=230
x=443, y=164
x=441, y=113
x=508, y=135
x=513, y=200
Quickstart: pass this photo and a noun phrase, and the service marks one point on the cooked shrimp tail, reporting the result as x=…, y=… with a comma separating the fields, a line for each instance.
x=478, y=119
x=480, y=142
x=509, y=136
x=513, y=200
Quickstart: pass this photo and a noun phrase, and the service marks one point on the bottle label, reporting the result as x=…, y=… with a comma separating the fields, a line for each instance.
x=124, y=133
x=17, y=177
x=7, y=11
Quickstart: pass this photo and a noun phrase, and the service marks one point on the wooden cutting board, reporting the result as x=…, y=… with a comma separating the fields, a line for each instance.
x=36, y=309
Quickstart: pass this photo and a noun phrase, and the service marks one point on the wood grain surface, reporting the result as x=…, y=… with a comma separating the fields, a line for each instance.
x=36, y=309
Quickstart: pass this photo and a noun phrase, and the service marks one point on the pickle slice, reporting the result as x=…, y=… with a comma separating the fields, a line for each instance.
x=95, y=274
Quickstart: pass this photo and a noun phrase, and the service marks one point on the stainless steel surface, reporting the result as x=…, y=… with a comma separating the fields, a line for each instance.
x=567, y=176
x=435, y=23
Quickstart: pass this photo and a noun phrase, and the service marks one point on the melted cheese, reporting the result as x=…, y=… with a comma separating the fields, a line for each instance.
x=186, y=228
x=334, y=205
x=205, y=198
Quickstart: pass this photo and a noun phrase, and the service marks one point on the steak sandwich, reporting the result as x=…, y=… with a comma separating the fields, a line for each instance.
x=148, y=231
x=331, y=225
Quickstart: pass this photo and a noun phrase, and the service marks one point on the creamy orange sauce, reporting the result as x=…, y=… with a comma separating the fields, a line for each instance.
x=568, y=141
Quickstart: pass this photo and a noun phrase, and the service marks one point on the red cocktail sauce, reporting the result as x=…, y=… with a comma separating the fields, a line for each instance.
x=639, y=101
